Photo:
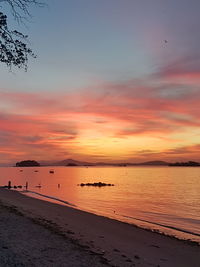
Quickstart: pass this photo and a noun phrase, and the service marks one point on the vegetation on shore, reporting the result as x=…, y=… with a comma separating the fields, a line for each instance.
x=187, y=164
x=27, y=163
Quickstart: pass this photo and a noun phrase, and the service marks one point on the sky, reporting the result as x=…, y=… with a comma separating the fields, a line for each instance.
x=114, y=81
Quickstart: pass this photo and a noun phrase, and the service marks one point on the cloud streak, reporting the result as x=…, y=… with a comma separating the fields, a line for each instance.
x=159, y=107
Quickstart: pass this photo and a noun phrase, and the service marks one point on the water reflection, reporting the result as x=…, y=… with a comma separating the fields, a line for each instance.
x=164, y=195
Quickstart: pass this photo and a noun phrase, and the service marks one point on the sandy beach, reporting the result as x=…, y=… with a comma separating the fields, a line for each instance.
x=34, y=232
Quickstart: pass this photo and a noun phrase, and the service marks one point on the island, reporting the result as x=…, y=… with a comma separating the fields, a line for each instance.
x=185, y=164
x=28, y=163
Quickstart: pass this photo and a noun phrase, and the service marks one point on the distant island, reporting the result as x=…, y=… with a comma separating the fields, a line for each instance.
x=72, y=162
x=76, y=163
x=72, y=165
x=67, y=162
x=27, y=163
x=185, y=164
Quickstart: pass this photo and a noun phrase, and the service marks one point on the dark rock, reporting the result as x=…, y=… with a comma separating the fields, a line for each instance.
x=137, y=257
x=99, y=184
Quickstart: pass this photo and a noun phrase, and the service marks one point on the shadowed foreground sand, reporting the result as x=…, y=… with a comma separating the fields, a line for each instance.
x=38, y=233
x=25, y=243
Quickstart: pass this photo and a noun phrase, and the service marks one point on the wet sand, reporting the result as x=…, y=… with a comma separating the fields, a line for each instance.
x=34, y=232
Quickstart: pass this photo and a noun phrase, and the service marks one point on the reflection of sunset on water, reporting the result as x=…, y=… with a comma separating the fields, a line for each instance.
x=164, y=195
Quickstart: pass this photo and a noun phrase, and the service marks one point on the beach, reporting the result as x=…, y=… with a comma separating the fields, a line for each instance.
x=34, y=232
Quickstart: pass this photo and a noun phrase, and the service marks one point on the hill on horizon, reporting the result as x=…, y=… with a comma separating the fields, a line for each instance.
x=73, y=162
x=155, y=162
x=66, y=162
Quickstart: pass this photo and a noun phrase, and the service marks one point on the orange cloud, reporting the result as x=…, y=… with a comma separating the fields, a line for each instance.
x=59, y=124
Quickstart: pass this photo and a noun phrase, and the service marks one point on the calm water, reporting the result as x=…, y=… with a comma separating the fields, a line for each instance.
x=160, y=198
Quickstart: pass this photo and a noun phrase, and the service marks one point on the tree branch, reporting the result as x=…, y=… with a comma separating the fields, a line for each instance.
x=13, y=47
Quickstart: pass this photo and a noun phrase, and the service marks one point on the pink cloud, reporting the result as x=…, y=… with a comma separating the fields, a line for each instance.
x=184, y=153
x=38, y=123
x=147, y=109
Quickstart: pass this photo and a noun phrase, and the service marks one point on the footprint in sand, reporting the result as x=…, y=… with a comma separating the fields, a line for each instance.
x=137, y=257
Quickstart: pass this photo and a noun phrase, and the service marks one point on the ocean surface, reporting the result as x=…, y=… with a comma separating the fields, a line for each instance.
x=160, y=198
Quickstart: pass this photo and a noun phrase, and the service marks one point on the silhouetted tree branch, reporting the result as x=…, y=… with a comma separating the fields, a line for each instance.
x=13, y=44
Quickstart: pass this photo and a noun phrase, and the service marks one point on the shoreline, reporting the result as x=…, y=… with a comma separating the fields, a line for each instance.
x=120, y=243
x=171, y=231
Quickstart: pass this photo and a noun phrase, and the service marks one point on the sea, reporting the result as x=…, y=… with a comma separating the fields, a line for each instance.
x=164, y=199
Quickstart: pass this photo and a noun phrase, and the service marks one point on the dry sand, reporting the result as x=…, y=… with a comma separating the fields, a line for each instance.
x=38, y=233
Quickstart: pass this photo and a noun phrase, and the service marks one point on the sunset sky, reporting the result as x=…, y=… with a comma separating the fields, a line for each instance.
x=114, y=80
